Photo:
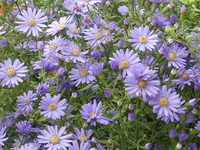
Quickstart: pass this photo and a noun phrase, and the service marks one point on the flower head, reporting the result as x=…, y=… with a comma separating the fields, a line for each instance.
x=82, y=74
x=125, y=59
x=142, y=38
x=167, y=105
x=12, y=73
x=2, y=136
x=54, y=139
x=82, y=135
x=29, y=146
x=93, y=113
x=53, y=107
x=31, y=21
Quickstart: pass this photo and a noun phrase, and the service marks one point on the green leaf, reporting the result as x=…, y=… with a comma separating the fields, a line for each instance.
x=87, y=87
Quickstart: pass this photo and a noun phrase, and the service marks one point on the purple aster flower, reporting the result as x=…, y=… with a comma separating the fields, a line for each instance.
x=57, y=26
x=2, y=137
x=159, y=19
x=55, y=45
x=93, y=113
x=73, y=30
x=96, y=68
x=120, y=43
x=173, y=133
x=31, y=21
x=107, y=93
x=187, y=118
x=25, y=101
x=83, y=146
x=183, y=136
x=198, y=127
x=96, y=54
x=12, y=73
x=73, y=52
x=192, y=146
x=167, y=105
x=143, y=38
x=53, y=107
x=82, y=135
x=54, y=139
x=197, y=86
x=131, y=116
x=193, y=102
x=42, y=88
x=81, y=74
x=125, y=59
x=158, y=147
x=24, y=127
x=95, y=36
x=173, y=18
x=185, y=78
x=3, y=42
x=29, y=146
x=114, y=64
x=122, y=9
x=142, y=80
x=148, y=145
x=175, y=55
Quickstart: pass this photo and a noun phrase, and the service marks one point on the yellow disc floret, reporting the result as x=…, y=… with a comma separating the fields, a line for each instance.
x=52, y=106
x=124, y=64
x=82, y=137
x=98, y=35
x=172, y=56
x=142, y=84
x=143, y=39
x=54, y=139
x=32, y=22
x=11, y=72
x=83, y=72
x=75, y=52
x=164, y=102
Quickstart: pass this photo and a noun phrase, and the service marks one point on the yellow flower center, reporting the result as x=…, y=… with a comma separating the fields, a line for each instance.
x=31, y=22
x=52, y=106
x=51, y=74
x=91, y=114
x=54, y=139
x=83, y=137
x=143, y=39
x=87, y=0
x=60, y=26
x=98, y=35
x=185, y=76
x=27, y=101
x=172, y=56
x=74, y=30
x=142, y=84
x=52, y=46
x=163, y=101
x=83, y=72
x=124, y=64
x=75, y=52
x=11, y=72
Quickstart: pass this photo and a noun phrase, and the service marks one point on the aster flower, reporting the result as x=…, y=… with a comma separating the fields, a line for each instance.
x=142, y=38
x=73, y=30
x=73, y=52
x=54, y=139
x=24, y=127
x=53, y=107
x=25, y=101
x=93, y=113
x=197, y=127
x=141, y=80
x=175, y=55
x=54, y=45
x=122, y=9
x=31, y=21
x=12, y=73
x=42, y=88
x=82, y=135
x=186, y=77
x=2, y=136
x=173, y=133
x=159, y=19
x=83, y=146
x=81, y=74
x=57, y=26
x=29, y=146
x=95, y=36
x=96, y=68
x=125, y=59
x=167, y=105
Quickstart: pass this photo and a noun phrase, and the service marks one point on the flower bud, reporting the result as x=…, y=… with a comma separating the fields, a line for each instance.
x=179, y=146
x=148, y=145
